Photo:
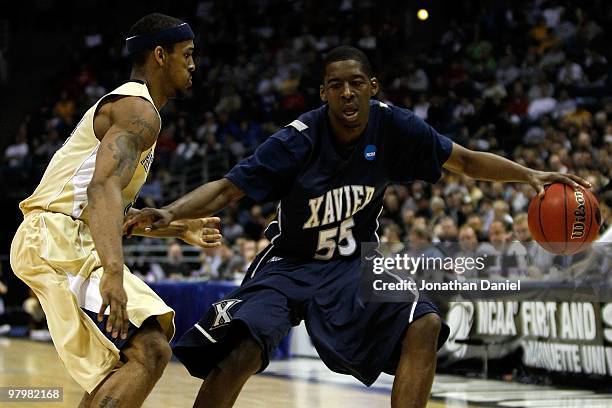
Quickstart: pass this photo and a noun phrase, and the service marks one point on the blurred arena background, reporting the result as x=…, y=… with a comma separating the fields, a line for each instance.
x=529, y=80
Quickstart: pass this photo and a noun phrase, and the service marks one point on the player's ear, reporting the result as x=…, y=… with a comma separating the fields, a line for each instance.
x=373, y=86
x=159, y=54
x=322, y=93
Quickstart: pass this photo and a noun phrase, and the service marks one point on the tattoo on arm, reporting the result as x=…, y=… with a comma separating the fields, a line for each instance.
x=126, y=149
x=109, y=402
x=129, y=145
x=144, y=126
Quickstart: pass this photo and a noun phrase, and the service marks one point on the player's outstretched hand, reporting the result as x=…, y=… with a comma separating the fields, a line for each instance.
x=538, y=179
x=147, y=219
x=113, y=295
x=202, y=232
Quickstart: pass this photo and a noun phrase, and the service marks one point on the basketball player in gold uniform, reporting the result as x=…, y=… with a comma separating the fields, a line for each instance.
x=109, y=328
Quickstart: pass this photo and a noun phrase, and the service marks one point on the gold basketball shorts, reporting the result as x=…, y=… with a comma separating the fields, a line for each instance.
x=55, y=256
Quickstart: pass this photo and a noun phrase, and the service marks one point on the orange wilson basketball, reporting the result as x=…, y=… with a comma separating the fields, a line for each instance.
x=565, y=219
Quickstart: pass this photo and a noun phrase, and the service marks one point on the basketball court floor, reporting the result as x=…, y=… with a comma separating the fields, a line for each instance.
x=294, y=383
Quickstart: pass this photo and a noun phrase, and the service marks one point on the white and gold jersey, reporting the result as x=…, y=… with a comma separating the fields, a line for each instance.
x=63, y=188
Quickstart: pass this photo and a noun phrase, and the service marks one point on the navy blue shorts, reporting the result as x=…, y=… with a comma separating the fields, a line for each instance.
x=352, y=336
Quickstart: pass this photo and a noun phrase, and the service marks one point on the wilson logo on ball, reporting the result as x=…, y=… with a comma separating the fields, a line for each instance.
x=579, y=216
x=565, y=220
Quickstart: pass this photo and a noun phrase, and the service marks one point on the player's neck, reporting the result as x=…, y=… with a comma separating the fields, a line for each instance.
x=157, y=93
x=345, y=136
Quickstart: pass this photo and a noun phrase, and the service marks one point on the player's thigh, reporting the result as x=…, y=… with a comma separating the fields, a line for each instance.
x=249, y=321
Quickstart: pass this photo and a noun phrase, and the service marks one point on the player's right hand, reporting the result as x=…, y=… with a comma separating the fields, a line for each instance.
x=147, y=219
x=113, y=295
x=538, y=179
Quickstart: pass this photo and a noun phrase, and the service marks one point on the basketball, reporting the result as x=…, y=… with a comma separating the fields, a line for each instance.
x=565, y=219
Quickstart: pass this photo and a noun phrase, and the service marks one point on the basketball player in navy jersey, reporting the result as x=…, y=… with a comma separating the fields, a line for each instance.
x=328, y=169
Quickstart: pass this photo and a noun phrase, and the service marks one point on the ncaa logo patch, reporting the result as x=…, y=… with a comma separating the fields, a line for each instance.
x=370, y=152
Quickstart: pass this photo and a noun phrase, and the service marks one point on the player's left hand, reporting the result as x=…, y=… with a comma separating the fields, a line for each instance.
x=147, y=219
x=202, y=232
x=538, y=179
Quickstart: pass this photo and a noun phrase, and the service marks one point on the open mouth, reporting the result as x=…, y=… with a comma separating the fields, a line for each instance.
x=350, y=114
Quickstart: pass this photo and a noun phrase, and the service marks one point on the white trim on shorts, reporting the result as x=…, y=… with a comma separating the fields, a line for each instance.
x=262, y=258
x=411, y=318
x=87, y=292
x=205, y=333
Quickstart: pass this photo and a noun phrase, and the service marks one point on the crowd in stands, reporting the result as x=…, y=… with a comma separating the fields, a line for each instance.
x=531, y=81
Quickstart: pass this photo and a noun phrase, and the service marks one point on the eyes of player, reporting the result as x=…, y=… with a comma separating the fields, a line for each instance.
x=188, y=53
x=354, y=83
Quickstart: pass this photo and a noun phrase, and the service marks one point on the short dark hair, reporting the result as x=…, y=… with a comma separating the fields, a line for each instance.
x=344, y=53
x=149, y=24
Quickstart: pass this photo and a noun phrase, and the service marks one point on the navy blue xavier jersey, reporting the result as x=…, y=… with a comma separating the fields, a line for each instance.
x=329, y=203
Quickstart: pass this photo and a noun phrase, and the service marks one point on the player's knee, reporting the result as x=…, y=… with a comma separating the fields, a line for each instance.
x=152, y=351
x=424, y=332
x=159, y=353
x=245, y=358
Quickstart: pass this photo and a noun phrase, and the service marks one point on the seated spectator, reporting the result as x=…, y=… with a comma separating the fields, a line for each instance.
x=236, y=148
x=220, y=263
x=392, y=206
x=541, y=106
x=565, y=106
x=493, y=249
x=249, y=133
x=231, y=228
x=501, y=212
x=94, y=91
x=165, y=147
x=539, y=261
x=38, y=321
x=580, y=117
x=503, y=259
x=464, y=110
x=446, y=235
x=421, y=246
x=209, y=126
x=65, y=109
x=417, y=80
x=151, y=193
x=494, y=90
x=507, y=72
x=570, y=73
x=541, y=88
x=174, y=267
x=392, y=239
x=17, y=156
x=248, y=250
x=229, y=101
x=421, y=107
x=518, y=102
x=210, y=259
x=211, y=146
x=262, y=244
x=468, y=243
x=438, y=210
x=186, y=154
